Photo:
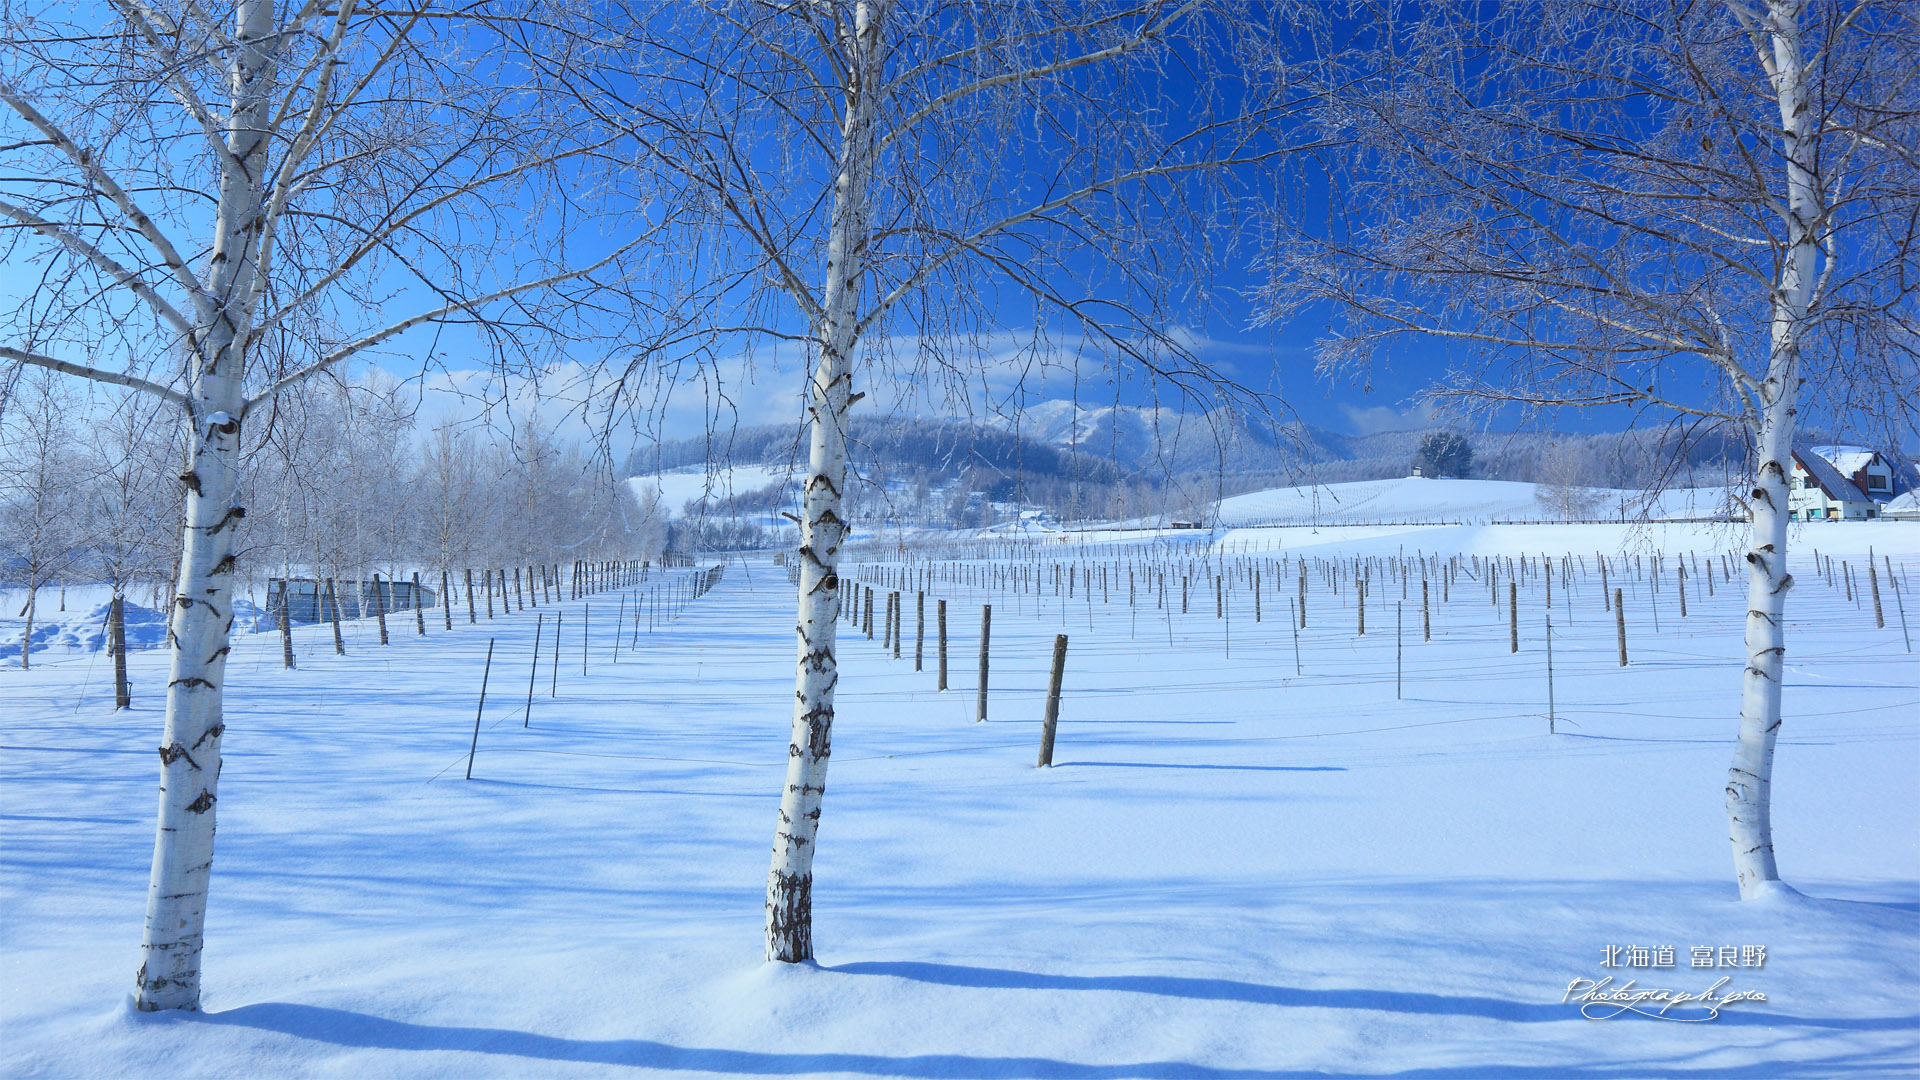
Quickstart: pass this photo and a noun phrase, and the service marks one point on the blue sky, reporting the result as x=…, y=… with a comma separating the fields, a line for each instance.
x=762, y=385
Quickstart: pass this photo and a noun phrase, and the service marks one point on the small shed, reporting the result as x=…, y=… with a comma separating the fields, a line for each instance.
x=305, y=599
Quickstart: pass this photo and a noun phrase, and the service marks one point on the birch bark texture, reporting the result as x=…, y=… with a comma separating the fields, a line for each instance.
x=202, y=618
x=789, y=914
x=1724, y=256
x=1778, y=44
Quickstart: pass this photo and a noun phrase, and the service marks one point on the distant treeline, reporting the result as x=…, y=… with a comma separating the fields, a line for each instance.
x=893, y=446
x=939, y=452
x=1631, y=460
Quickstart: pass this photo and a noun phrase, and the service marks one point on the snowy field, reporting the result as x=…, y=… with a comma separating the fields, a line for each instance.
x=1425, y=500
x=678, y=487
x=1238, y=867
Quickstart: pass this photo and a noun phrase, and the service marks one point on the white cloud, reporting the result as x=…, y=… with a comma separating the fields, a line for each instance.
x=979, y=377
x=1377, y=418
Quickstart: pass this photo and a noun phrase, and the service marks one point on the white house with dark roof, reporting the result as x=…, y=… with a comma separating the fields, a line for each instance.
x=1870, y=470
x=1839, y=483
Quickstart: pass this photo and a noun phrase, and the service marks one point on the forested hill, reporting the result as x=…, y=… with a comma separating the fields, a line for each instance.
x=935, y=446
x=1107, y=445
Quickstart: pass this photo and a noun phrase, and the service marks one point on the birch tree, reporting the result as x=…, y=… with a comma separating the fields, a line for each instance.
x=448, y=489
x=42, y=471
x=130, y=514
x=221, y=200
x=1563, y=481
x=1701, y=211
x=888, y=183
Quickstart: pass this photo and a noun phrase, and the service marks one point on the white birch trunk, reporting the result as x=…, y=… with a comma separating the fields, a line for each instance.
x=202, y=617
x=26, y=634
x=1750, y=779
x=790, y=881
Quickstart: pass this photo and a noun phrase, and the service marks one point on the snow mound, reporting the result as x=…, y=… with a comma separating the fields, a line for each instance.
x=87, y=631
x=250, y=618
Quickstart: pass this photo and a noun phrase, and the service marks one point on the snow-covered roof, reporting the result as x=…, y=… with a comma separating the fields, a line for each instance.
x=1848, y=459
x=1905, y=503
x=1831, y=480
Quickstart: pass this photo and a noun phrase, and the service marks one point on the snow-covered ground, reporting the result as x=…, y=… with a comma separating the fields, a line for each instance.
x=1426, y=500
x=678, y=487
x=1808, y=538
x=1233, y=870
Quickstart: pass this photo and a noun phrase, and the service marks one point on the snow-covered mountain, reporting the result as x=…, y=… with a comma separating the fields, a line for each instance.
x=1150, y=438
x=1125, y=433
x=1235, y=451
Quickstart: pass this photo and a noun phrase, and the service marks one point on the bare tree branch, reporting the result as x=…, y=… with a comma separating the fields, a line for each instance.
x=67, y=367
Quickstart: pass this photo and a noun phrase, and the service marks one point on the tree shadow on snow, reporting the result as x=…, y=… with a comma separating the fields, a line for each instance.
x=1172, y=765
x=339, y=1027
x=1392, y=1001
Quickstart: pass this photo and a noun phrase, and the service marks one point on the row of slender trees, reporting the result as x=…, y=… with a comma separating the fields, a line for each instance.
x=83, y=493
x=341, y=482
x=345, y=482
